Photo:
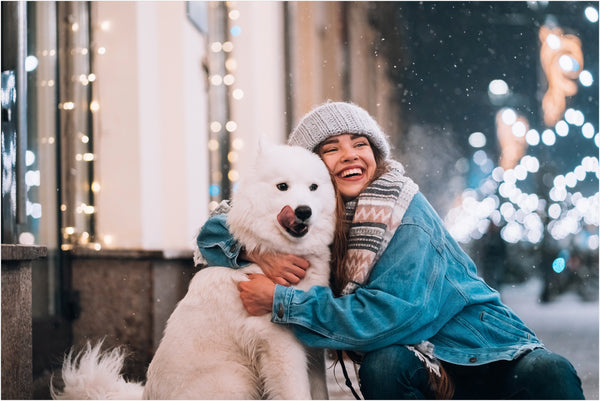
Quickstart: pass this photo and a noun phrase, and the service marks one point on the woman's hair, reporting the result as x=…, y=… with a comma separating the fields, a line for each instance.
x=340, y=276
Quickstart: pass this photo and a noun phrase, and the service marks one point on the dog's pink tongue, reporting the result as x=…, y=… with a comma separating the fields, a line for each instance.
x=286, y=217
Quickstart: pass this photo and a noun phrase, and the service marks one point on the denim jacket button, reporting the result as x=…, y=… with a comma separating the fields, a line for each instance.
x=472, y=359
x=280, y=311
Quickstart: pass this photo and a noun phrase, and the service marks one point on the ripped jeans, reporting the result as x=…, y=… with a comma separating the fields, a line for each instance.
x=395, y=372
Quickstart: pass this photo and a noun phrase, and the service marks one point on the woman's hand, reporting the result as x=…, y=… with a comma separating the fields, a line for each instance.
x=257, y=294
x=285, y=269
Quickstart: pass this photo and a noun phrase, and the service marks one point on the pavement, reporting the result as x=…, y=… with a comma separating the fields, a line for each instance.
x=567, y=326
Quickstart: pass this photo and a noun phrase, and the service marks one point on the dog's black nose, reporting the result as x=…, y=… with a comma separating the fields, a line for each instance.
x=303, y=212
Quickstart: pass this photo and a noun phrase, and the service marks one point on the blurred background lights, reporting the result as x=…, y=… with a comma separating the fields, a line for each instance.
x=216, y=80
x=498, y=87
x=558, y=265
x=31, y=63
x=477, y=140
x=509, y=116
x=518, y=129
x=233, y=175
x=591, y=14
x=234, y=14
x=231, y=126
x=553, y=41
x=228, y=79
x=95, y=186
x=29, y=158
x=215, y=126
x=532, y=137
x=238, y=144
x=236, y=30
x=568, y=63
x=586, y=78
x=214, y=190
x=548, y=137
x=574, y=117
x=562, y=128
x=213, y=144
x=587, y=130
x=554, y=211
x=94, y=106
x=480, y=157
x=26, y=238
x=32, y=178
x=238, y=94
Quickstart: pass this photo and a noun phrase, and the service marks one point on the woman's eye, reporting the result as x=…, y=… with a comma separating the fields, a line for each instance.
x=313, y=187
x=282, y=186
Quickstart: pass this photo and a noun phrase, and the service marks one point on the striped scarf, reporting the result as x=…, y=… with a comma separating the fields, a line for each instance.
x=374, y=217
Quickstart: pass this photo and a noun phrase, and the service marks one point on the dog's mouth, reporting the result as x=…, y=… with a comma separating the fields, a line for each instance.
x=292, y=225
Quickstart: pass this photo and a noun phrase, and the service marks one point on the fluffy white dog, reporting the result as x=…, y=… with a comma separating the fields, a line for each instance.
x=212, y=348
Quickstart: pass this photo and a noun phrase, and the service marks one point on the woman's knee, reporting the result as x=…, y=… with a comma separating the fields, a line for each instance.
x=544, y=374
x=394, y=372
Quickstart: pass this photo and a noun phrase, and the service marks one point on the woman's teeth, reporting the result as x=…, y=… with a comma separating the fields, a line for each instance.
x=349, y=172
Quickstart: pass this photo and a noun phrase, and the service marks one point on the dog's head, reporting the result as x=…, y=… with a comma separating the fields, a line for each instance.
x=285, y=202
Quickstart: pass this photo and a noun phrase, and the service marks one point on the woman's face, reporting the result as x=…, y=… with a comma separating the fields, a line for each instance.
x=350, y=159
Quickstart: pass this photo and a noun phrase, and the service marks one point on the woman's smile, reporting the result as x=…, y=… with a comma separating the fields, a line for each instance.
x=350, y=159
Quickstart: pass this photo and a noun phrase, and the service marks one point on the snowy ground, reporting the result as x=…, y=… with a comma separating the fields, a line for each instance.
x=566, y=326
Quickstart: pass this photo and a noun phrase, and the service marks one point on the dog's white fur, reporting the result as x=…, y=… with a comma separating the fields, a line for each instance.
x=212, y=348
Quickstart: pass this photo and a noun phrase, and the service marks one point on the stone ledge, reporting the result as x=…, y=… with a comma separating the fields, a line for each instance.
x=121, y=253
x=17, y=252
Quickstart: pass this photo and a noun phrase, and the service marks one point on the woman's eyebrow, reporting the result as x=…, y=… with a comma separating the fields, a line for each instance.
x=330, y=140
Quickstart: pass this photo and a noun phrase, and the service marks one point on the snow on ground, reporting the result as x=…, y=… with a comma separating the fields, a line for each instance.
x=567, y=326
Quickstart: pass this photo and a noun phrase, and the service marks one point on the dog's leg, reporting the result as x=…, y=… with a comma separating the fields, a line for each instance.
x=284, y=367
x=317, y=374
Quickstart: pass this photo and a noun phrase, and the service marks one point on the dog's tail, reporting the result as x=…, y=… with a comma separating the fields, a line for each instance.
x=95, y=375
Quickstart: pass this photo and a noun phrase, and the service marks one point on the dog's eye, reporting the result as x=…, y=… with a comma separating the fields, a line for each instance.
x=282, y=186
x=313, y=187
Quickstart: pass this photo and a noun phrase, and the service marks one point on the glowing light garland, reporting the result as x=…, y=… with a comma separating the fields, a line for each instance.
x=500, y=201
x=222, y=67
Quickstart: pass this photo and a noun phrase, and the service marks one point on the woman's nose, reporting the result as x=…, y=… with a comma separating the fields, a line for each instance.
x=349, y=154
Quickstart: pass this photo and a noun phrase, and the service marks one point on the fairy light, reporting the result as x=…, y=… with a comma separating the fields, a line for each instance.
x=223, y=130
x=568, y=210
x=77, y=214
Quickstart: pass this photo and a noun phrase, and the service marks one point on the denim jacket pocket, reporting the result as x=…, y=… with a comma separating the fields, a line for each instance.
x=504, y=326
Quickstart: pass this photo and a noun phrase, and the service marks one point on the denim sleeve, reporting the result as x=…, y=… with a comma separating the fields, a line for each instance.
x=217, y=245
x=405, y=301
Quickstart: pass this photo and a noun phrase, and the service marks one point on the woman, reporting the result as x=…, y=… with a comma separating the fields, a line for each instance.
x=404, y=296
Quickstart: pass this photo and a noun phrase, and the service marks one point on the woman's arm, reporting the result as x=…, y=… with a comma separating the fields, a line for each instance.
x=219, y=248
x=404, y=302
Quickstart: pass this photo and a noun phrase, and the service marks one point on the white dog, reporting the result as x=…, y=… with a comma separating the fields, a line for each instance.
x=212, y=348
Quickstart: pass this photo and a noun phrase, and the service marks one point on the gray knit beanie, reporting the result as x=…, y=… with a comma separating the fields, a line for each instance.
x=336, y=118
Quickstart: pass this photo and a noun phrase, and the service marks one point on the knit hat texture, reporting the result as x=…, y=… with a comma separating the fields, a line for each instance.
x=336, y=118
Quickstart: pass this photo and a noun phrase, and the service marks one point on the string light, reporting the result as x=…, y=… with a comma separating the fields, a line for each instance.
x=223, y=65
x=568, y=210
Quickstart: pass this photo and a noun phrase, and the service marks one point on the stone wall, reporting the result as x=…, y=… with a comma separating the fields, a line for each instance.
x=126, y=297
x=17, y=375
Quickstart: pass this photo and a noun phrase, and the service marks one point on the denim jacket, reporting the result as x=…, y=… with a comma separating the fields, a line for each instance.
x=424, y=287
